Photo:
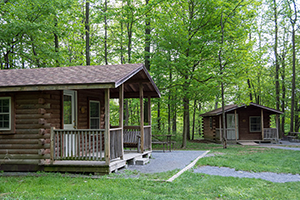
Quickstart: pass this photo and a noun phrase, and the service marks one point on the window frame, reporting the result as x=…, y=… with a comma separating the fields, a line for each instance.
x=9, y=114
x=251, y=117
x=90, y=118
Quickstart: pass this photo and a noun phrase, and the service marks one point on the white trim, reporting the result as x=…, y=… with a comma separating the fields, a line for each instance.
x=9, y=113
x=90, y=113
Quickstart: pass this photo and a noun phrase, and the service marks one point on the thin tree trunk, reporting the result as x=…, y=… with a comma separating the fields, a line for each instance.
x=87, y=33
x=293, y=22
x=147, y=40
x=174, y=115
x=194, y=119
x=56, y=44
x=158, y=116
x=105, y=32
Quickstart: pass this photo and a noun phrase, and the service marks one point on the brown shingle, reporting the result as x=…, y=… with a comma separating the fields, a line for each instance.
x=67, y=75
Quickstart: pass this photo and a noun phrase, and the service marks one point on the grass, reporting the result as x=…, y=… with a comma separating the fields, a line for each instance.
x=188, y=186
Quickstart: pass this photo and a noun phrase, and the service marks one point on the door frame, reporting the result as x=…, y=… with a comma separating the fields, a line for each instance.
x=70, y=141
x=237, y=122
x=73, y=95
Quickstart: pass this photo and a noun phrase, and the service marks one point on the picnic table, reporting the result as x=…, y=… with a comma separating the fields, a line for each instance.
x=164, y=140
x=294, y=137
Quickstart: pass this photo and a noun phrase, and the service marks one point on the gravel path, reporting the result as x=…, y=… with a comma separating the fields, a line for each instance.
x=162, y=162
x=269, y=176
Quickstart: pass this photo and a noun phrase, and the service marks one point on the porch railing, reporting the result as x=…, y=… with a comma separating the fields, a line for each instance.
x=270, y=134
x=77, y=144
x=116, y=144
x=137, y=131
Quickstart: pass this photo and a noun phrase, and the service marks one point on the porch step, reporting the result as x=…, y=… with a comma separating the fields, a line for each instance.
x=142, y=161
x=248, y=143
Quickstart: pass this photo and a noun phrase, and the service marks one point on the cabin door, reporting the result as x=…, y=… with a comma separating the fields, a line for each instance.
x=69, y=113
x=231, y=127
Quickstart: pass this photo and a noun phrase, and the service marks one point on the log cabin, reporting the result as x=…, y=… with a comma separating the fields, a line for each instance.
x=243, y=123
x=58, y=119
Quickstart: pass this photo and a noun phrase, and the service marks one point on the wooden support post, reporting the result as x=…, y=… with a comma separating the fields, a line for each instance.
x=262, y=123
x=149, y=121
x=277, y=128
x=142, y=116
x=121, y=110
x=107, y=124
x=220, y=125
x=52, y=145
x=235, y=124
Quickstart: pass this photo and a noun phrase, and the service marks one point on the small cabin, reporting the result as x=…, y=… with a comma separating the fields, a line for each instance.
x=246, y=122
x=58, y=119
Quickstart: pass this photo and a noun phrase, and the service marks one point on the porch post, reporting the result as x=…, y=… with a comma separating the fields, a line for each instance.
x=220, y=125
x=277, y=128
x=121, y=110
x=149, y=121
x=107, y=124
x=262, y=123
x=142, y=117
x=235, y=123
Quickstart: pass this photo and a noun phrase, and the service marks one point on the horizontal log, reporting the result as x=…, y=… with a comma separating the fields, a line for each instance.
x=24, y=156
x=40, y=131
x=53, y=111
x=22, y=151
x=19, y=141
x=55, y=106
x=33, y=116
x=31, y=101
x=55, y=96
x=21, y=161
x=24, y=146
x=25, y=136
x=33, y=106
x=32, y=126
x=31, y=121
x=54, y=121
x=22, y=96
x=53, y=101
x=31, y=111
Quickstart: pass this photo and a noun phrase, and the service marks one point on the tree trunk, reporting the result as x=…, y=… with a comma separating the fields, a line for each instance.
x=87, y=32
x=293, y=22
x=158, y=116
x=105, y=32
x=194, y=119
x=56, y=44
x=147, y=41
x=174, y=115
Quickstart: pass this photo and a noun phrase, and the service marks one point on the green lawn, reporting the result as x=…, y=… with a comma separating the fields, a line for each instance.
x=188, y=186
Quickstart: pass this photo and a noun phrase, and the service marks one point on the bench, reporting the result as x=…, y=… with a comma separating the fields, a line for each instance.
x=132, y=139
x=168, y=142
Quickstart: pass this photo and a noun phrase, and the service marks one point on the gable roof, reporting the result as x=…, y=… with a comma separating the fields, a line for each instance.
x=78, y=77
x=232, y=107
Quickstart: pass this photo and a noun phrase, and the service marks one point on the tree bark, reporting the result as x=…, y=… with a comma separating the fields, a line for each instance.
x=147, y=40
x=105, y=33
x=87, y=32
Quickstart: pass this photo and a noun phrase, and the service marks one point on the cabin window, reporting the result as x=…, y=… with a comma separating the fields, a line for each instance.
x=210, y=122
x=5, y=112
x=94, y=115
x=255, y=124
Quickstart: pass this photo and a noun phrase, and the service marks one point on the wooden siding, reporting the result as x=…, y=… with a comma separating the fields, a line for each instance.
x=243, y=124
x=26, y=147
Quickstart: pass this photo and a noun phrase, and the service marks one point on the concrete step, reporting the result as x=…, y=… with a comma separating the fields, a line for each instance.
x=142, y=161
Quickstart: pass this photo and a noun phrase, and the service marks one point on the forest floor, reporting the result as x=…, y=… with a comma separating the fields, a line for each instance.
x=192, y=184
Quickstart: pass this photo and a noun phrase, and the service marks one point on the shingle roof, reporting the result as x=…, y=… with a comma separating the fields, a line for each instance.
x=38, y=78
x=229, y=108
x=67, y=75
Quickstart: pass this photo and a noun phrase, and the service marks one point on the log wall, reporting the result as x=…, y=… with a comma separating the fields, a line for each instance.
x=26, y=147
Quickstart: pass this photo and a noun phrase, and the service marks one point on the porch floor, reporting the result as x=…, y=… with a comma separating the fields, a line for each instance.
x=96, y=167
